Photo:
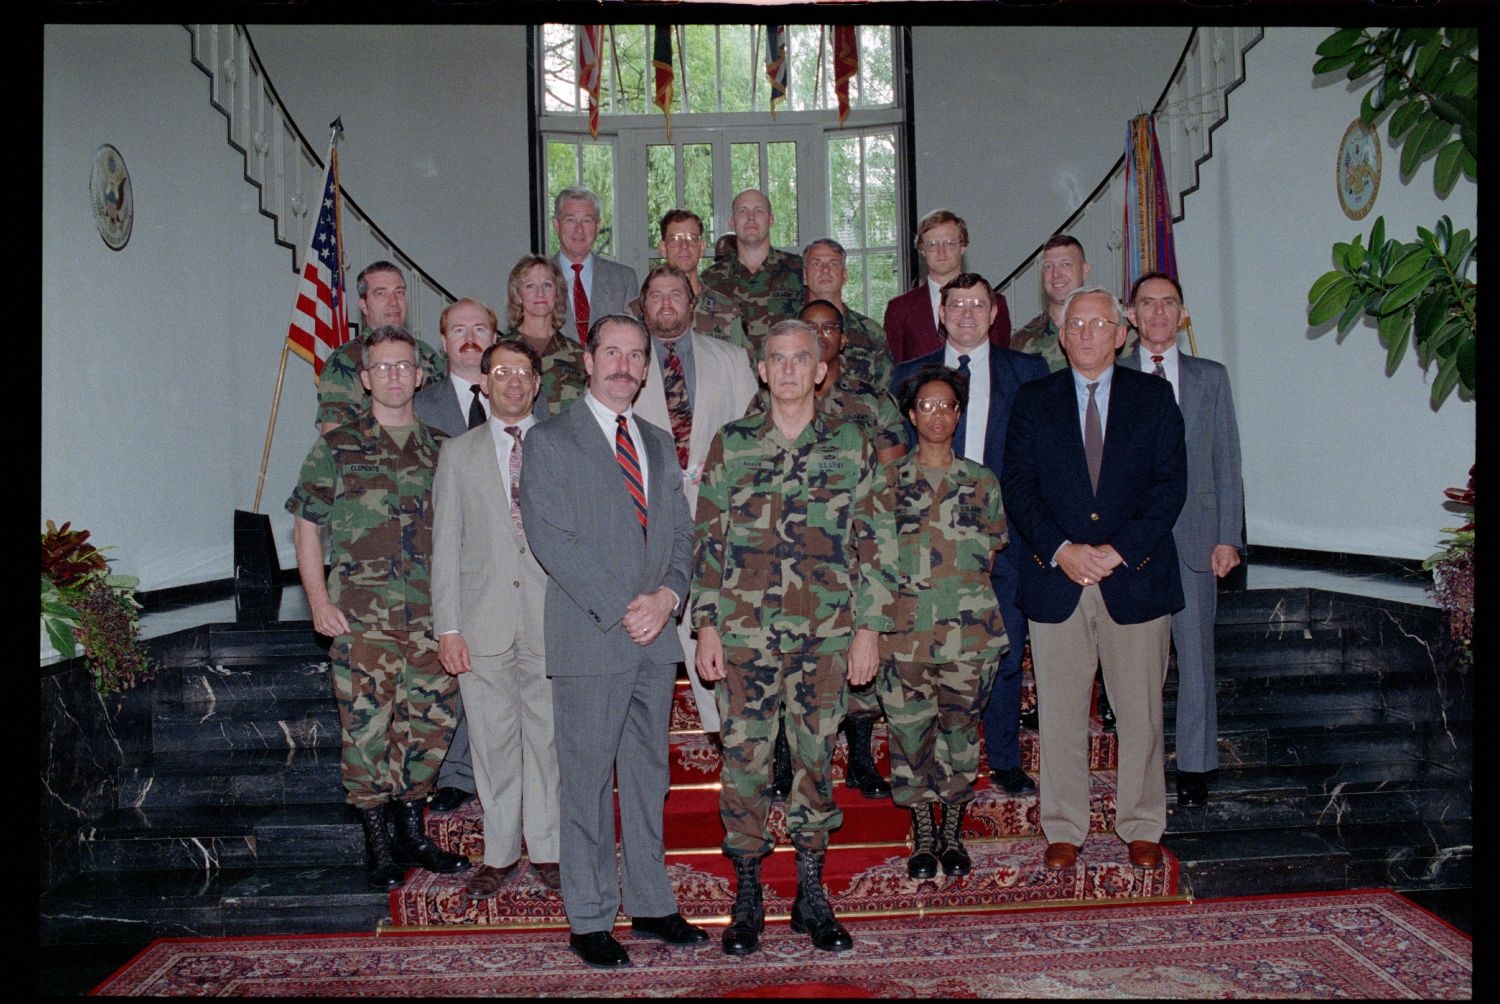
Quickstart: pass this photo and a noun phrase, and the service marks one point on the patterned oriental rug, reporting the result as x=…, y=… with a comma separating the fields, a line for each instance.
x=1366, y=944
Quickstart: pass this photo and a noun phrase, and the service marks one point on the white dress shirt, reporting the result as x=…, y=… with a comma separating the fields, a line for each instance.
x=466, y=396
x=504, y=444
x=1169, y=365
x=606, y=419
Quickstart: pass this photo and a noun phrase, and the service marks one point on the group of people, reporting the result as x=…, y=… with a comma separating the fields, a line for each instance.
x=829, y=520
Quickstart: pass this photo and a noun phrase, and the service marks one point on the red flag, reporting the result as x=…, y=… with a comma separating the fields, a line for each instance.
x=320, y=316
x=776, y=63
x=845, y=64
x=590, y=59
x=661, y=58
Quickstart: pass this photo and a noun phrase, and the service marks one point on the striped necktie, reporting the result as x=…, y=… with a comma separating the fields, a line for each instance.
x=630, y=466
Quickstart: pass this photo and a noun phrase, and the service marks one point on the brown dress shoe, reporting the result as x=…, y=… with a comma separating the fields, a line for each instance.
x=1060, y=855
x=486, y=882
x=1145, y=853
x=549, y=873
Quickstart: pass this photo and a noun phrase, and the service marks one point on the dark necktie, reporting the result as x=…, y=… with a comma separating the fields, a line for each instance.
x=961, y=430
x=630, y=466
x=515, y=480
x=476, y=408
x=1157, y=370
x=1093, y=438
x=674, y=382
x=580, y=305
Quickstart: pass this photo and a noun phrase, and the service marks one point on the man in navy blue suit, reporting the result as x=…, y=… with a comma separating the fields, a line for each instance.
x=967, y=310
x=1095, y=476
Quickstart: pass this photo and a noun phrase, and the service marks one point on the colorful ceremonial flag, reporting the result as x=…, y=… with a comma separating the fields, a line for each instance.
x=845, y=64
x=320, y=316
x=1148, y=210
x=776, y=63
x=661, y=59
x=590, y=60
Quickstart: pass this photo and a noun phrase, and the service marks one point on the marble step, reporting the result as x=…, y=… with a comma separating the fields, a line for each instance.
x=1409, y=854
x=138, y=906
x=1265, y=861
x=233, y=777
x=224, y=684
x=282, y=724
x=257, y=642
x=208, y=839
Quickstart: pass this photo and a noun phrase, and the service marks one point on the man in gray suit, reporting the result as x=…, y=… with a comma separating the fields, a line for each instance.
x=1210, y=528
x=709, y=383
x=487, y=595
x=595, y=286
x=455, y=404
x=601, y=499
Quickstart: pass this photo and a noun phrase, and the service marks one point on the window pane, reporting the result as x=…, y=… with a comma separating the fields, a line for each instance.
x=661, y=185
x=635, y=85
x=562, y=171
x=781, y=165
x=599, y=177
x=880, y=189
x=875, y=66
x=843, y=183
x=744, y=167
x=698, y=184
x=559, y=62
x=697, y=77
x=802, y=83
x=854, y=285
x=737, y=69
x=883, y=272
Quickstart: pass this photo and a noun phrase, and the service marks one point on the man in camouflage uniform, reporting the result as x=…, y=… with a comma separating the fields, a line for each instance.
x=866, y=353
x=938, y=665
x=1063, y=270
x=786, y=613
x=382, y=302
x=764, y=283
x=370, y=482
x=681, y=246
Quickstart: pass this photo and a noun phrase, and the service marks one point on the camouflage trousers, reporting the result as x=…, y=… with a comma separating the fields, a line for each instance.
x=863, y=701
x=397, y=709
x=932, y=717
x=808, y=690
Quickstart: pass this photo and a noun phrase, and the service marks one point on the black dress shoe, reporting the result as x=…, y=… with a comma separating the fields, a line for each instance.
x=448, y=799
x=672, y=929
x=1030, y=719
x=1192, y=787
x=1013, y=779
x=599, y=949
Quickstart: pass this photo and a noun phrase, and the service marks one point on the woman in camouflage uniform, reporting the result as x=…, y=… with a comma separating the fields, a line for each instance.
x=536, y=312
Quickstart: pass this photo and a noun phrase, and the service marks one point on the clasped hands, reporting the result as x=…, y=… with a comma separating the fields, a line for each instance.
x=1086, y=564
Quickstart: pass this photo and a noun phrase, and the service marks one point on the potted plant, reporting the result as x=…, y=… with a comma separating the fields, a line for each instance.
x=84, y=604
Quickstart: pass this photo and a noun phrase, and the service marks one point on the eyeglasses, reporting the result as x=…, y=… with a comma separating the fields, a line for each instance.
x=831, y=328
x=504, y=372
x=1098, y=325
x=975, y=303
x=403, y=368
x=945, y=244
x=680, y=239
x=928, y=405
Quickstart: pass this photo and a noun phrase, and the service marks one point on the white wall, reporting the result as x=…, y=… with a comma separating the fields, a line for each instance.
x=1337, y=455
x=434, y=145
x=1014, y=126
x=158, y=360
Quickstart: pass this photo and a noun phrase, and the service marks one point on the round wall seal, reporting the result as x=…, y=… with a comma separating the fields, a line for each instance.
x=1358, y=171
x=109, y=191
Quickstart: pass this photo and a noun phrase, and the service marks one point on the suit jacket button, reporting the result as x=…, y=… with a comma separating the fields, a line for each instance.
x=1094, y=516
x=517, y=583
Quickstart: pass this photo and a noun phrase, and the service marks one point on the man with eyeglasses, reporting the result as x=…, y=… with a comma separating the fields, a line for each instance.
x=765, y=283
x=681, y=246
x=370, y=482
x=995, y=377
x=912, y=324
x=455, y=404
x=596, y=286
x=382, y=302
x=487, y=596
x=1095, y=476
x=865, y=351
x=698, y=383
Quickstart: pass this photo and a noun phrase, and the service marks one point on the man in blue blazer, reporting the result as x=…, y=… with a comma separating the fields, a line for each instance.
x=968, y=310
x=1095, y=477
x=1209, y=531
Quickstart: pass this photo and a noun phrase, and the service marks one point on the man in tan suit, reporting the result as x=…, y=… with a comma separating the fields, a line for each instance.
x=698, y=383
x=487, y=594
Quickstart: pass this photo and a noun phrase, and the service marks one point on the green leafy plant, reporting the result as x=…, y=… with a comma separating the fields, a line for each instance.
x=1419, y=290
x=1453, y=569
x=82, y=603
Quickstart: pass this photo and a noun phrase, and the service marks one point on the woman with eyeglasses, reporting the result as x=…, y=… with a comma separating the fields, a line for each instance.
x=949, y=636
x=536, y=313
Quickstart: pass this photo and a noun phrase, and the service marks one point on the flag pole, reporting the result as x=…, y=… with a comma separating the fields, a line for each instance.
x=265, y=456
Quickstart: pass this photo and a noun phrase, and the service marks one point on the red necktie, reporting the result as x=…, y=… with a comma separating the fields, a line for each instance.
x=1158, y=371
x=580, y=305
x=630, y=466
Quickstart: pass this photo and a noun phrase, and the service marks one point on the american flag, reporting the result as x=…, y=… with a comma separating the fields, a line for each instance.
x=776, y=63
x=845, y=65
x=590, y=59
x=320, y=316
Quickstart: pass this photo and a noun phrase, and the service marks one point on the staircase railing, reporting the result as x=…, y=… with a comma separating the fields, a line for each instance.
x=287, y=169
x=1194, y=103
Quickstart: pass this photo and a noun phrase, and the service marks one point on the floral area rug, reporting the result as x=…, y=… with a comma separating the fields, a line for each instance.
x=1368, y=944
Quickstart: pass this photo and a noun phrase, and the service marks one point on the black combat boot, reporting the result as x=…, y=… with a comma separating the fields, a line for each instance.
x=412, y=846
x=781, y=768
x=380, y=868
x=811, y=912
x=951, y=853
x=860, y=772
x=923, y=863
x=747, y=917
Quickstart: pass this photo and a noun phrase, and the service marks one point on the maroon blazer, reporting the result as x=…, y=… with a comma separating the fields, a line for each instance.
x=911, y=333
